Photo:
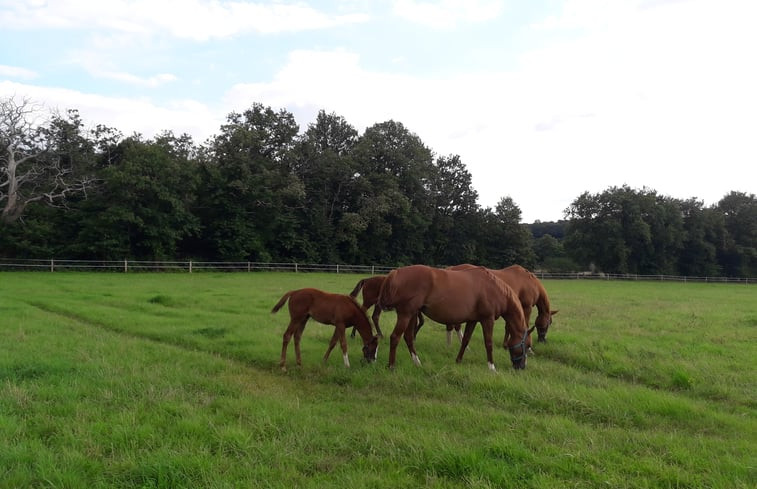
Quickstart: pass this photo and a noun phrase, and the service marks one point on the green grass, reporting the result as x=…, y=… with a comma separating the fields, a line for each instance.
x=172, y=380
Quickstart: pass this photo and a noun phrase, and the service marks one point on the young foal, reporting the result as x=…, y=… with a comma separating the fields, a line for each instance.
x=339, y=310
x=371, y=288
x=452, y=296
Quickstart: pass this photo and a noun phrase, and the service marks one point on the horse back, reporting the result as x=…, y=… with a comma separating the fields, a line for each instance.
x=526, y=286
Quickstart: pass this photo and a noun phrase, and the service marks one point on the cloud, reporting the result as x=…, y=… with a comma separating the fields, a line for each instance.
x=198, y=20
x=446, y=14
x=16, y=72
x=128, y=115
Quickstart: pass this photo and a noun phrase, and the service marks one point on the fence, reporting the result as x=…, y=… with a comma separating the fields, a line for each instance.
x=54, y=265
x=191, y=266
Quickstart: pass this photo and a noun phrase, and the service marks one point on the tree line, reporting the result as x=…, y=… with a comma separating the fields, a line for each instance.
x=262, y=190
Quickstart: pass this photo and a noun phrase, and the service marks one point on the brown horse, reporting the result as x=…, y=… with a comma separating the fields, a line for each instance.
x=454, y=296
x=339, y=310
x=371, y=288
x=530, y=292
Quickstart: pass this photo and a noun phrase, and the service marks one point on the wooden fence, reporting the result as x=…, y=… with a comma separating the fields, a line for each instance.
x=191, y=266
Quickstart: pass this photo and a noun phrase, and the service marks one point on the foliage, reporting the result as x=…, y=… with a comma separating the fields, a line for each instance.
x=261, y=190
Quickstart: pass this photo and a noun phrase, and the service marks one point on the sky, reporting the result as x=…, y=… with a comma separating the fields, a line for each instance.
x=543, y=100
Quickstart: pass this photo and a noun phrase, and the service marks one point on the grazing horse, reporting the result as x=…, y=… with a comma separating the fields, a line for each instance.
x=371, y=288
x=339, y=310
x=454, y=296
x=530, y=292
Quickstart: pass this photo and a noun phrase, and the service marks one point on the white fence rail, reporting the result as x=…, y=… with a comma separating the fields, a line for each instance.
x=191, y=266
x=55, y=265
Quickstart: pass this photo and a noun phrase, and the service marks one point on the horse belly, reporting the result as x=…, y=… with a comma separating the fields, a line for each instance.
x=452, y=312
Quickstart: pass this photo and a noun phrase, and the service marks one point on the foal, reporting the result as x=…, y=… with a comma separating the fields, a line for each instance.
x=339, y=310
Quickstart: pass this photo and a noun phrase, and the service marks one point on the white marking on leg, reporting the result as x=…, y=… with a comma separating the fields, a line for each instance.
x=460, y=336
x=449, y=338
x=346, y=360
x=416, y=360
x=492, y=367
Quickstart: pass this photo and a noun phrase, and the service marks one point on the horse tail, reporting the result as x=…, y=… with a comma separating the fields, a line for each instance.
x=388, y=291
x=357, y=288
x=281, y=302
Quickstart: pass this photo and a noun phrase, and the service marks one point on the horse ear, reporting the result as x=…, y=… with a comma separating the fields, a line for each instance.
x=552, y=313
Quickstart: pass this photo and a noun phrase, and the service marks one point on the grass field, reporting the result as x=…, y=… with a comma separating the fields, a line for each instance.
x=172, y=380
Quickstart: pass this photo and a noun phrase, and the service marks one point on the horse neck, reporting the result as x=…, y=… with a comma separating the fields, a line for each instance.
x=542, y=303
x=362, y=325
x=515, y=319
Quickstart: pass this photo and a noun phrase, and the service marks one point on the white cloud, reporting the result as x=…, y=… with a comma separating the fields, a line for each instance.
x=16, y=72
x=447, y=13
x=187, y=19
x=128, y=115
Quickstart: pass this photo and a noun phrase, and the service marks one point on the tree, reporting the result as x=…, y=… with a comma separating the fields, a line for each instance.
x=453, y=234
x=34, y=163
x=143, y=208
x=704, y=229
x=506, y=241
x=623, y=230
x=249, y=195
x=395, y=170
x=738, y=253
x=322, y=161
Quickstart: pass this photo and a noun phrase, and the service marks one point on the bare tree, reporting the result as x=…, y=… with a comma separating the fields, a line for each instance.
x=31, y=170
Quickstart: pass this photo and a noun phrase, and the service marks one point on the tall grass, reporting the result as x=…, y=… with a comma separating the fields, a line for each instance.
x=172, y=380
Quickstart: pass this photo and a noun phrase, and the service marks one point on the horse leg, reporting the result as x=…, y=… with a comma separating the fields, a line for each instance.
x=293, y=329
x=394, y=339
x=410, y=340
x=488, y=326
x=297, y=337
x=469, y=327
x=332, y=344
x=459, y=334
x=343, y=341
x=375, y=318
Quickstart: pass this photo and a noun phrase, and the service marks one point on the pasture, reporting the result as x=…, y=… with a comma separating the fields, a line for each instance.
x=172, y=380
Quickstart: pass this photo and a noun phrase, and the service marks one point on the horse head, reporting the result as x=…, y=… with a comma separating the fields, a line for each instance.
x=543, y=321
x=370, y=349
x=519, y=351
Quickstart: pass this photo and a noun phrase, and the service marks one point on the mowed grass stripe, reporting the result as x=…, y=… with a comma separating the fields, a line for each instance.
x=83, y=406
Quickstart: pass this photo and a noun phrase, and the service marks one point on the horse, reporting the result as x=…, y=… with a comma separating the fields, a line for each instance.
x=341, y=311
x=371, y=288
x=530, y=292
x=454, y=296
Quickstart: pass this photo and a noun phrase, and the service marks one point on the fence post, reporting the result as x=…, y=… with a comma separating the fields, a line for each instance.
x=190, y=266
x=295, y=267
x=337, y=268
x=126, y=266
x=52, y=265
x=373, y=269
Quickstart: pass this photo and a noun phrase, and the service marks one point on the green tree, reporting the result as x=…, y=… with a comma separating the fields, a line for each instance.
x=623, y=230
x=453, y=233
x=395, y=205
x=506, y=241
x=704, y=229
x=322, y=161
x=738, y=253
x=143, y=208
x=249, y=195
